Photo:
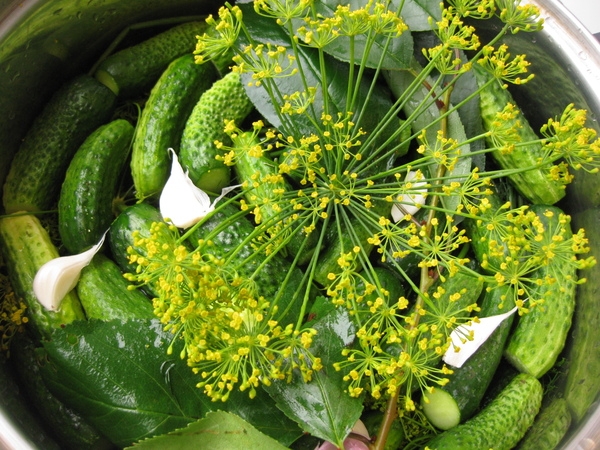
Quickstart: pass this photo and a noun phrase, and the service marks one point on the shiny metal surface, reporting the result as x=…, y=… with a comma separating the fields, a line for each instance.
x=44, y=41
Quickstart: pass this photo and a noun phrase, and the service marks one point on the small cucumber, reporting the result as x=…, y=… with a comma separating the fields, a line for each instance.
x=133, y=70
x=501, y=424
x=26, y=246
x=264, y=197
x=104, y=295
x=581, y=383
x=271, y=276
x=162, y=120
x=487, y=244
x=550, y=426
x=338, y=245
x=540, y=335
x=225, y=100
x=460, y=398
x=535, y=184
x=76, y=109
x=90, y=185
x=135, y=218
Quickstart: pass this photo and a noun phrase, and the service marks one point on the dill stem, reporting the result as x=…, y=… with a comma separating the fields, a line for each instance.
x=390, y=414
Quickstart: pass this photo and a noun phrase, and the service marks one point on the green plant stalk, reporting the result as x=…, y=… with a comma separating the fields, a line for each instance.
x=391, y=410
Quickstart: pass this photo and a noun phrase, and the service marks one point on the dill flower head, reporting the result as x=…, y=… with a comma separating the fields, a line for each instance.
x=342, y=178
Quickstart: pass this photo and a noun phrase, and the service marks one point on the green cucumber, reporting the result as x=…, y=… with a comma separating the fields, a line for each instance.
x=225, y=100
x=501, y=424
x=581, y=383
x=458, y=400
x=550, y=426
x=76, y=109
x=540, y=335
x=262, y=197
x=133, y=70
x=339, y=244
x=162, y=120
x=271, y=276
x=104, y=294
x=136, y=218
x=90, y=185
x=70, y=430
x=26, y=246
x=535, y=184
x=487, y=244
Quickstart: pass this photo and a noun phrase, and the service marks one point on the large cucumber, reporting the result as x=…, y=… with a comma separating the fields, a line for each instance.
x=540, y=335
x=104, y=293
x=225, y=100
x=264, y=188
x=26, y=246
x=550, y=426
x=581, y=383
x=135, y=69
x=501, y=424
x=91, y=182
x=534, y=184
x=162, y=120
x=76, y=109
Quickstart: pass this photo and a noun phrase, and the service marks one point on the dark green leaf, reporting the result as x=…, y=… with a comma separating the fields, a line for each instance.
x=119, y=377
x=392, y=53
x=416, y=13
x=375, y=103
x=218, y=430
x=322, y=406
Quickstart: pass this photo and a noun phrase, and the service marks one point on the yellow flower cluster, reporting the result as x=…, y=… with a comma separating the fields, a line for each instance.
x=230, y=334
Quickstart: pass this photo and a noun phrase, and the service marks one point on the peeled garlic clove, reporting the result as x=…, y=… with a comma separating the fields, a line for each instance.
x=181, y=202
x=59, y=276
x=479, y=331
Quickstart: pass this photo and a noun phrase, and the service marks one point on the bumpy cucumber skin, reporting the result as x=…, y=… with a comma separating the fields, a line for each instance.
x=270, y=277
x=162, y=121
x=250, y=171
x=541, y=334
x=91, y=182
x=138, y=217
x=225, y=100
x=103, y=293
x=134, y=70
x=38, y=167
x=26, y=246
x=502, y=424
x=550, y=426
x=535, y=184
x=581, y=383
x=481, y=236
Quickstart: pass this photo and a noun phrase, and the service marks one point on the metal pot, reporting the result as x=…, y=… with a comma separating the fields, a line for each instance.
x=43, y=42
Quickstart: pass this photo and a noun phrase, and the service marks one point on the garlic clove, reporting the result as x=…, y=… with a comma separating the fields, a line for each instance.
x=181, y=202
x=59, y=276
